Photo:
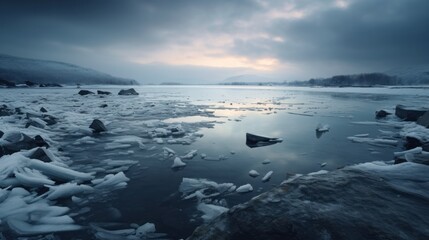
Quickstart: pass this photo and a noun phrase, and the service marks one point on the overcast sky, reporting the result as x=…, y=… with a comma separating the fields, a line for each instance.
x=197, y=41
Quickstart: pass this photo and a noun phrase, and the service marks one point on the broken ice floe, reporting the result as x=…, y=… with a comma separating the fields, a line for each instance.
x=244, y=188
x=267, y=176
x=203, y=188
x=322, y=128
x=211, y=211
x=177, y=163
x=191, y=154
x=117, y=180
x=26, y=214
x=253, y=173
x=145, y=231
x=374, y=141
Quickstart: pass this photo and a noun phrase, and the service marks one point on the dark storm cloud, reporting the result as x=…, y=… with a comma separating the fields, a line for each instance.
x=385, y=31
x=95, y=22
x=102, y=33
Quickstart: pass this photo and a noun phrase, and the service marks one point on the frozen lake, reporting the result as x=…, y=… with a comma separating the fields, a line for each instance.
x=214, y=120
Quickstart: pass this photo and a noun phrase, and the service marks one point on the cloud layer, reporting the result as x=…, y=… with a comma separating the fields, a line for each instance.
x=286, y=39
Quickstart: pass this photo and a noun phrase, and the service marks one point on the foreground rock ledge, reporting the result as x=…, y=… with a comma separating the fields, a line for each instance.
x=365, y=201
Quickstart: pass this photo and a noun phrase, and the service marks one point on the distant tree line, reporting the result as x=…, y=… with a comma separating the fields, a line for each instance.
x=360, y=80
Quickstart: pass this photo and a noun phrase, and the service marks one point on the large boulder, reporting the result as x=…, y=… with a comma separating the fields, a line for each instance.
x=16, y=141
x=97, y=126
x=41, y=154
x=367, y=202
x=85, y=92
x=381, y=114
x=103, y=92
x=409, y=113
x=130, y=91
x=424, y=120
x=40, y=142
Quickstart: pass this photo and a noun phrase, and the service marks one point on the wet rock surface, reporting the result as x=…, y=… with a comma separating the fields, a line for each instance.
x=97, y=126
x=99, y=92
x=409, y=113
x=352, y=203
x=15, y=142
x=40, y=154
x=424, y=120
x=130, y=91
x=381, y=114
x=85, y=92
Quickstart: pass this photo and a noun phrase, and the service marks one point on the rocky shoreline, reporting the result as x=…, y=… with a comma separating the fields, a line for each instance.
x=374, y=200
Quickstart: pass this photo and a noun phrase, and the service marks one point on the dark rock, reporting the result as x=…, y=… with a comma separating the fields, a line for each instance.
x=130, y=91
x=409, y=113
x=17, y=141
x=5, y=111
x=1, y=134
x=42, y=109
x=40, y=142
x=6, y=83
x=49, y=119
x=103, y=105
x=412, y=142
x=85, y=92
x=103, y=92
x=349, y=203
x=97, y=126
x=30, y=83
x=425, y=147
x=18, y=111
x=50, y=85
x=381, y=114
x=253, y=140
x=399, y=160
x=424, y=120
x=40, y=153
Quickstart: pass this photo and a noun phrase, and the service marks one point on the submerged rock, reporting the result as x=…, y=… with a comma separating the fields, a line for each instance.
x=97, y=126
x=85, y=92
x=103, y=92
x=130, y=91
x=424, y=120
x=381, y=114
x=350, y=203
x=409, y=113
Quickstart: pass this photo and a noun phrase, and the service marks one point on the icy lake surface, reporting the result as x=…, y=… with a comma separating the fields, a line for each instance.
x=146, y=134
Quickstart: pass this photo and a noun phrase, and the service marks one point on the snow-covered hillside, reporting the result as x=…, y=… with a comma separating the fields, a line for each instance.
x=19, y=70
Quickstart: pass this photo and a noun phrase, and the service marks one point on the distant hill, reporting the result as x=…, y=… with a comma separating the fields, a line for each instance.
x=246, y=79
x=19, y=70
